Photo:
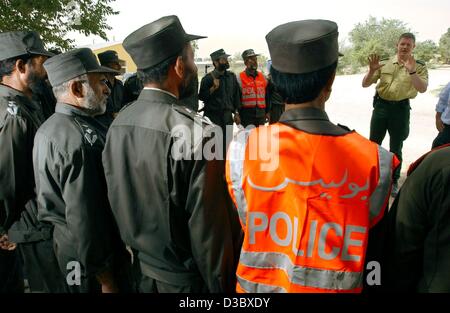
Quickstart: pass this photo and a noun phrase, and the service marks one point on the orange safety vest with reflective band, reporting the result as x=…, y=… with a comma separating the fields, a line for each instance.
x=306, y=203
x=253, y=91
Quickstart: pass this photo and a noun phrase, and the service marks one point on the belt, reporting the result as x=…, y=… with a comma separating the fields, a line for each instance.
x=403, y=102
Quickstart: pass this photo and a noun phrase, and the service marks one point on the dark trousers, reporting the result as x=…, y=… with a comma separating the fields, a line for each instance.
x=121, y=269
x=85, y=284
x=41, y=267
x=11, y=275
x=252, y=120
x=223, y=119
x=150, y=285
x=275, y=112
x=252, y=116
x=392, y=117
x=443, y=137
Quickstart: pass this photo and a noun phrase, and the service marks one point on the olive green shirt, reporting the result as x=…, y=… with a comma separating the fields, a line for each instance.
x=395, y=81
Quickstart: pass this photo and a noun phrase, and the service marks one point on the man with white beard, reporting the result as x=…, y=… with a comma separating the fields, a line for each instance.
x=71, y=187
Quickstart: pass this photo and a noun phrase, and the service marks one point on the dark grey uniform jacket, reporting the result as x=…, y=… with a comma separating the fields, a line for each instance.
x=71, y=188
x=176, y=213
x=19, y=120
x=418, y=254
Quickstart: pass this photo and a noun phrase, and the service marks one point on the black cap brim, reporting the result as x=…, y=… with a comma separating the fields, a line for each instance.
x=104, y=70
x=190, y=37
x=43, y=52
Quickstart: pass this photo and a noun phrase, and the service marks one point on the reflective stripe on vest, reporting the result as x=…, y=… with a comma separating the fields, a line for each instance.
x=235, y=168
x=378, y=200
x=251, y=287
x=253, y=91
x=302, y=276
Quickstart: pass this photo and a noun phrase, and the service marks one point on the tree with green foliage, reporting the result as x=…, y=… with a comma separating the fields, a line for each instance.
x=375, y=36
x=444, y=47
x=425, y=50
x=54, y=19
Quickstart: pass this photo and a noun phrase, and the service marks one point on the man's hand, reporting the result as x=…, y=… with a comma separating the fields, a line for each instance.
x=109, y=288
x=409, y=64
x=215, y=86
x=237, y=119
x=5, y=244
x=107, y=281
x=374, y=63
x=439, y=123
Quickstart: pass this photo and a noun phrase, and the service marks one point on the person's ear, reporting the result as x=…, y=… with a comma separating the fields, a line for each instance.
x=76, y=89
x=329, y=85
x=21, y=66
x=180, y=67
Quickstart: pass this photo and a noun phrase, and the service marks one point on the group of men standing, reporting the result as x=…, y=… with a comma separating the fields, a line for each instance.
x=96, y=201
x=246, y=99
x=54, y=205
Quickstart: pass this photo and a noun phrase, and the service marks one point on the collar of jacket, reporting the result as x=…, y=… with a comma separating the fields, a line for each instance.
x=218, y=74
x=14, y=94
x=68, y=109
x=313, y=121
x=155, y=95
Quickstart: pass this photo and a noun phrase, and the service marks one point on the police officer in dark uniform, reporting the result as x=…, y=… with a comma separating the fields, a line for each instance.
x=418, y=254
x=169, y=202
x=132, y=88
x=21, y=57
x=277, y=106
x=110, y=59
x=220, y=92
x=70, y=182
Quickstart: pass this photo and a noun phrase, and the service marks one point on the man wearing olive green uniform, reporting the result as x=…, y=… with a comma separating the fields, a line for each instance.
x=400, y=79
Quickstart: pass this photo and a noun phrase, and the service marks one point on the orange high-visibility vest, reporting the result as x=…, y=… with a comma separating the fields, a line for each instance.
x=306, y=203
x=253, y=90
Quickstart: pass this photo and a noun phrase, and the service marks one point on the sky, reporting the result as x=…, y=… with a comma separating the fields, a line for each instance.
x=237, y=25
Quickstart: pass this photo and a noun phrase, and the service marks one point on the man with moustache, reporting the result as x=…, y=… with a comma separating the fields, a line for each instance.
x=70, y=183
x=255, y=104
x=220, y=92
x=400, y=79
x=22, y=75
x=169, y=201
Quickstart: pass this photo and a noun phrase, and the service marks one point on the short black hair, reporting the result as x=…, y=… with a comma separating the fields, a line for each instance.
x=301, y=88
x=7, y=66
x=408, y=36
x=158, y=73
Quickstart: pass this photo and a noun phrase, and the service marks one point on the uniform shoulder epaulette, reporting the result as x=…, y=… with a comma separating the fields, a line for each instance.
x=344, y=127
x=421, y=62
x=12, y=108
x=191, y=114
x=89, y=135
